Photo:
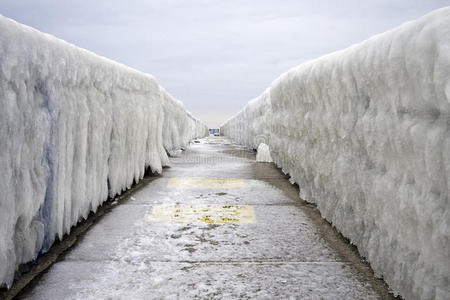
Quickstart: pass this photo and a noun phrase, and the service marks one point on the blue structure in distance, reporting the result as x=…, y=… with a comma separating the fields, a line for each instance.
x=214, y=131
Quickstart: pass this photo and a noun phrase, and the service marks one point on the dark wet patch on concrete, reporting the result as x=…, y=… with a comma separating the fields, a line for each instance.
x=187, y=268
x=184, y=228
x=241, y=153
x=189, y=248
x=210, y=227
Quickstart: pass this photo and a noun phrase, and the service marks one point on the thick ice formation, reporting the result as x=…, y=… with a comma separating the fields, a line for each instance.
x=365, y=132
x=263, y=154
x=74, y=128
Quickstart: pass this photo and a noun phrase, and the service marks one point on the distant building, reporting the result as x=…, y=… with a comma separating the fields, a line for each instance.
x=214, y=131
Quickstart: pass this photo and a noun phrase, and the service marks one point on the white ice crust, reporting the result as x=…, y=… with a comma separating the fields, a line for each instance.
x=263, y=153
x=75, y=128
x=365, y=132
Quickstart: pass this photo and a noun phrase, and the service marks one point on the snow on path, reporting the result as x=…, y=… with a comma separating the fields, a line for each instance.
x=154, y=247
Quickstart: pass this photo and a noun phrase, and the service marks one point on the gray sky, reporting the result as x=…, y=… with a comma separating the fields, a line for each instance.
x=214, y=55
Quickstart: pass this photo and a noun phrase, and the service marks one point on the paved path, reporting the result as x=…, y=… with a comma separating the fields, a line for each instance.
x=215, y=225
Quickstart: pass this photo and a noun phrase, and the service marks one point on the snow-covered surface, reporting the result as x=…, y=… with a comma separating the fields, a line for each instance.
x=287, y=254
x=365, y=134
x=74, y=128
x=263, y=153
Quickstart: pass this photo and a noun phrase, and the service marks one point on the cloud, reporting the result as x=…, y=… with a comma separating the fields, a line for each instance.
x=214, y=55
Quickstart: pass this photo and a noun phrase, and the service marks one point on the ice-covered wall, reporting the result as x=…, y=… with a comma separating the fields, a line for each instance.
x=250, y=126
x=75, y=128
x=365, y=132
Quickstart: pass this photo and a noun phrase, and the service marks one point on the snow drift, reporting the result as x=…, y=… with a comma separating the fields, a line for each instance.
x=365, y=134
x=75, y=128
x=263, y=153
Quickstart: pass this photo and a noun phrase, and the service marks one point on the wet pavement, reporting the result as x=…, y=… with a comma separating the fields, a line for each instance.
x=216, y=224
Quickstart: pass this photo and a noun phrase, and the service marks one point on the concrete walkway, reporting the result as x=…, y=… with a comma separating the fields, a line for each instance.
x=215, y=225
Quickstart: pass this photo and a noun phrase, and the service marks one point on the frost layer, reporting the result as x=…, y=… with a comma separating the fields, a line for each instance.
x=365, y=134
x=263, y=154
x=75, y=128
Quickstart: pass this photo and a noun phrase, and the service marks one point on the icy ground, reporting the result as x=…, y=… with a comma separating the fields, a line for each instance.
x=365, y=133
x=287, y=252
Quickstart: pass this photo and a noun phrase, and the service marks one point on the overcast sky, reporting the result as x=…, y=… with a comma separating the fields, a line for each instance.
x=215, y=55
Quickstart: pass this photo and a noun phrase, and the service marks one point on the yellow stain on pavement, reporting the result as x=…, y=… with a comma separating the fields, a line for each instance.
x=205, y=182
x=204, y=213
